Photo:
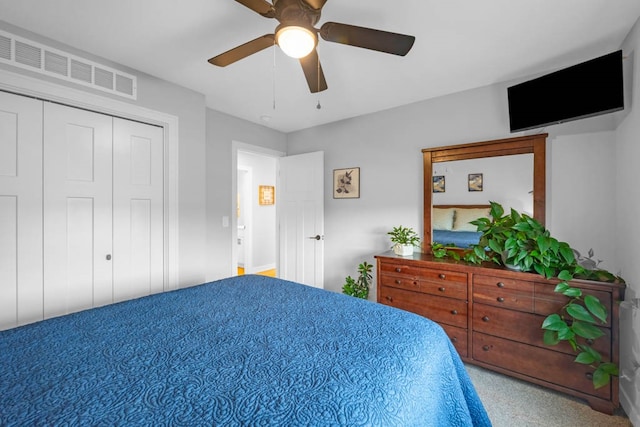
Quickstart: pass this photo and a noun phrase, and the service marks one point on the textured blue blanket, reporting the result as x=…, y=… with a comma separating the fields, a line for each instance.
x=242, y=351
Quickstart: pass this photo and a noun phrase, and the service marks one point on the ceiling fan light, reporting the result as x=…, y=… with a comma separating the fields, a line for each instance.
x=296, y=42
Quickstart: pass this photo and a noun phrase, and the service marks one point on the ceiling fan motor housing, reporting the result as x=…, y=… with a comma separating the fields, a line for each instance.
x=296, y=12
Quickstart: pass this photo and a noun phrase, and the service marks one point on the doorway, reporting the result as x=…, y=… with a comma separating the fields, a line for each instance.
x=255, y=240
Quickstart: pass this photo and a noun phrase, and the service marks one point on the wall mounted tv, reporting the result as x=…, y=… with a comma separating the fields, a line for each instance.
x=584, y=90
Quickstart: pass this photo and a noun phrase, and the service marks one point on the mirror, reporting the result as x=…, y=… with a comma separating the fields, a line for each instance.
x=488, y=159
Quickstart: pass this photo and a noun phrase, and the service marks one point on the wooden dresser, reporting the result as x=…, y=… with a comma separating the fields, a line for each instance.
x=493, y=316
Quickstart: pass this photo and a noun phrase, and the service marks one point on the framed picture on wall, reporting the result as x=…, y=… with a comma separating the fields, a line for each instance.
x=266, y=195
x=475, y=182
x=438, y=184
x=346, y=183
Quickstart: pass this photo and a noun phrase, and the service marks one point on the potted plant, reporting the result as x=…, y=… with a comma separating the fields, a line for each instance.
x=359, y=287
x=520, y=242
x=404, y=240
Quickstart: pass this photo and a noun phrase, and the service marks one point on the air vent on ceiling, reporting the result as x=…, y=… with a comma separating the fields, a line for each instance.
x=30, y=55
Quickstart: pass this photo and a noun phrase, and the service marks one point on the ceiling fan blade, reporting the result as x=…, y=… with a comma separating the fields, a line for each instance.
x=244, y=50
x=368, y=38
x=313, y=72
x=259, y=6
x=315, y=4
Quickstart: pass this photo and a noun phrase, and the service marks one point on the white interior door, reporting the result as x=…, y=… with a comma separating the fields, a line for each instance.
x=77, y=209
x=301, y=218
x=20, y=210
x=138, y=254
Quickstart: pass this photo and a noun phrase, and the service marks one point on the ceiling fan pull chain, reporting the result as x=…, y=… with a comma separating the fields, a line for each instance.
x=318, y=74
x=274, y=74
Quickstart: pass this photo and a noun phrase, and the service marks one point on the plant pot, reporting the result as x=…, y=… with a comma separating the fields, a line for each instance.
x=403, y=250
x=509, y=266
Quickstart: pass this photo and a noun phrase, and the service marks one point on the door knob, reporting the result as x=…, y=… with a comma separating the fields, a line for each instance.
x=108, y=257
x=316, y=237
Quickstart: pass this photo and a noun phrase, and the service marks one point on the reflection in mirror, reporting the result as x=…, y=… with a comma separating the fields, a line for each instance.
x=461, y=180
x=467, y=186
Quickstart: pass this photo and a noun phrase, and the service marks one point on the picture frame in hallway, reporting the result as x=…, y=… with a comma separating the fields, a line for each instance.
x=266, y=195
x=346, y=183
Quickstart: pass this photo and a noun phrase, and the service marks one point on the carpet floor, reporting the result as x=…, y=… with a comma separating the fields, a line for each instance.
x=512, y=402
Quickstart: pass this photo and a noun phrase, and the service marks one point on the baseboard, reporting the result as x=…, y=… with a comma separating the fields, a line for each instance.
x=259, y=268
x=630, y=408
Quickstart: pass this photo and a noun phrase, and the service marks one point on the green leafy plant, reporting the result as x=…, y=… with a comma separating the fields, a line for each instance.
x=520, y=242
x=359, y=287
x=404, y=236
x=441, y=250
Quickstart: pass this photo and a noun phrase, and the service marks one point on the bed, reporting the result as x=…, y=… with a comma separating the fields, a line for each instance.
x=451, y=224
x=249, y=350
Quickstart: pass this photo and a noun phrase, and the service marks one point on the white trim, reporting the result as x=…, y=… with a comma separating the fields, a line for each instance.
x=29, y=86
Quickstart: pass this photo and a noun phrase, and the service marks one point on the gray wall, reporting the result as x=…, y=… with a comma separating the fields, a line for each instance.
x=387, y=147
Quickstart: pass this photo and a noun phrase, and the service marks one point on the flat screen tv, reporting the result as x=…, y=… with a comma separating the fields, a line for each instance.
x=584, y=90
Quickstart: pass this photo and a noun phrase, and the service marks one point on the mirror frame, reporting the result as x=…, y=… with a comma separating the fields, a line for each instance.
x=535, y=144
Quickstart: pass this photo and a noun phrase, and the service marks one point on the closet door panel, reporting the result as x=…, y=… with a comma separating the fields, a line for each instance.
x=138, y=194
x=20, y=210
x=77, y=210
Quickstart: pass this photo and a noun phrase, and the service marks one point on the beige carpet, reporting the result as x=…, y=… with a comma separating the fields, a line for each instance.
x=511, y=402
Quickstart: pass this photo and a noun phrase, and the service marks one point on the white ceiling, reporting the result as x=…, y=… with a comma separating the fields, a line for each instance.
x=460, y=45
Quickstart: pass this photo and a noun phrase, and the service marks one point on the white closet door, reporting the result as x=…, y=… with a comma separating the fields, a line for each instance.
x=20, y=210
x=138, y=190
x=77, y=210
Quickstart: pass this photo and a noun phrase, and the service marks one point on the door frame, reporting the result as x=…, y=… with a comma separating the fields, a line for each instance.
x=248, y=220
x=24, y=85
x=254, y=149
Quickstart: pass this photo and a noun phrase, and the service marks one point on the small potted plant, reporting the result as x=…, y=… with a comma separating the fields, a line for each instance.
x=404, y=240
x=359, y=287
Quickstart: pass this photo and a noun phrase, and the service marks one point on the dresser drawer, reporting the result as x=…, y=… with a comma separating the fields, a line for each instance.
x=444, y=283
x=526, y=328
x=458, y=337
x=547, y=365
x=398, y=281
x=404, y=269
x=509, y=293
x=547, y=301
x=439, y=309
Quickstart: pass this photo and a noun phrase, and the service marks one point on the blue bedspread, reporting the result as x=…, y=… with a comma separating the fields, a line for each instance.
x=242, y=351
x=461, y=239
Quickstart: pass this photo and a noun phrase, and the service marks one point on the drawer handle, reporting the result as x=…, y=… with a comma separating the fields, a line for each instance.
x=500, y=299
x=398, y=269
x=589, y=375
x=500, y=285
x=486, y=348
x=441, y=289
x=485, y=319
x=454, y=312
x=389, y=299
x=398, y=281
x=454, y=340
x=589, y=341
x=442, y=276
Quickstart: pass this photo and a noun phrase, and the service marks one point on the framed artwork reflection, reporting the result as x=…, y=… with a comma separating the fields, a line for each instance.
x=438, y=184
x=346, y=183
x=475, y=182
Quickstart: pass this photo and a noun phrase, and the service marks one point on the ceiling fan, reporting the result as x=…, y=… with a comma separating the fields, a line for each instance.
x=298, y=38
